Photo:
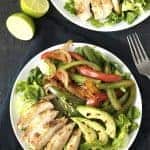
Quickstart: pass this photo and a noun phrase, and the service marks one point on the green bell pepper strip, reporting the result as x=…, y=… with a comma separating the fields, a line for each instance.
x=109, y=87
x=111, y=92
x=117, y=105
x=107, y=68
x=119, y=84
x=131, y=98
x=80, y=62
x=80, y=79
x=123, y=99
x=113, y=99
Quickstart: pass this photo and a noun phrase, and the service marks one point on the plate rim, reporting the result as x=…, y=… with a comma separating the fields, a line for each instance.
x=92, y=28
x=107, y=52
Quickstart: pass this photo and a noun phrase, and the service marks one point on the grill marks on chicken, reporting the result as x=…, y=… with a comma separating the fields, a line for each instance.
x=74, y=141
x=58, y=141
x=83, y=9
x=101, y=9
x=38, y=142
x=32, y=113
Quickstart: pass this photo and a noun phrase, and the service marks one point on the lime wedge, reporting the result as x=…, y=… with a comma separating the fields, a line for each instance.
x=21, y=26
x=35, y=8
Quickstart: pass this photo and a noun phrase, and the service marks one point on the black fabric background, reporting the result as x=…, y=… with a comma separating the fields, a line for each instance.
x=53, y=29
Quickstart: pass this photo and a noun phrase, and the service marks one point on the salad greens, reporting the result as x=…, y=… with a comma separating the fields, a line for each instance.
x=30, y=91
x=91, y=55
x=131, y=16
x=114, y=18
x=69, y=6
x=95, y=22
x=35, y=76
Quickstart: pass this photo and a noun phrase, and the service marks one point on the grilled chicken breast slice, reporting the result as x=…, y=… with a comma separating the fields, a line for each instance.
x=101, y=8
x=58, y=141
x=83, y=9
x=74, y=141
x=25, y=120
x=37, y=125
x=116, y=6
x=40, y=139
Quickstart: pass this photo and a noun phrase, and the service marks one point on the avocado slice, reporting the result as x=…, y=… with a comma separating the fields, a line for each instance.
x=94, y=113
x=103, y=137
x=89, y=133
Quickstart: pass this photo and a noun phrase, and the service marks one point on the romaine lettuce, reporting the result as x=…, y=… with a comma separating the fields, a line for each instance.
x=69, y=6
x=29, y=92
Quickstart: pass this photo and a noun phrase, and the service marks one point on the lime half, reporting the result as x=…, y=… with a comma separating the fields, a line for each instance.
x=35, y=8
x=21, y=26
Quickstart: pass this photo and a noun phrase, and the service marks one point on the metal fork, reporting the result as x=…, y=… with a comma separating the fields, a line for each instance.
x=140, y=58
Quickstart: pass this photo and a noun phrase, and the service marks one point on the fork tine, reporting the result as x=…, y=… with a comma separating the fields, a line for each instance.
x=141, y=47
x=134, y=53
x=138, y=48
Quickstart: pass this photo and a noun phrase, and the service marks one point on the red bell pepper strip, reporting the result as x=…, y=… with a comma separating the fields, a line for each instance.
x=97, y=99
x=89, y=72
x=76, y=56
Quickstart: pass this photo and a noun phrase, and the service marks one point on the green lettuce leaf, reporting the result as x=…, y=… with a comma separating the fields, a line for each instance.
x=69, y=6
x=123, y=122
x=120, y=140
x=35, y=76
x=96, y=145
x=30, y=91
x=131, y=16
x=95, y=23
x=92, y=55
x=114, y=18
x=133, y=113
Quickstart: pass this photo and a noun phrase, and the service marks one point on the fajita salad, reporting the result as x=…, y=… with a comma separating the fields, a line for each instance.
x=107, y=12
x=76, y=100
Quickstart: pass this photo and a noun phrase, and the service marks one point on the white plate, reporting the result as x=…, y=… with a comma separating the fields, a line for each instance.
x=59, y=4
x=34, y=62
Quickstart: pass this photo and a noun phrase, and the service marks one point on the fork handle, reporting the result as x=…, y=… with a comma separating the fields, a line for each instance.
x=148, y=76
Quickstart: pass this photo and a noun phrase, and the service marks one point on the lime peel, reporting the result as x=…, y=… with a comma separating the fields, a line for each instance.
x=35, y=8
x=21, y=26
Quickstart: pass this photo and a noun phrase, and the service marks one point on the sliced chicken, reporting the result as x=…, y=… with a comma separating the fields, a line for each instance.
x=35, y=110
x=37, y=125
x=58, y=141
x=42, y=136
x=116, y=6
x=83, y=9
x=74, y=141
x=101, y=8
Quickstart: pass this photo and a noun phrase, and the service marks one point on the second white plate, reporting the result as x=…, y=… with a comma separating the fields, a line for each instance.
x=59, y=4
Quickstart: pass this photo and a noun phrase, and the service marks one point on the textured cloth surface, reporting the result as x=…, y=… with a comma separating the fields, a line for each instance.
x=53, y=29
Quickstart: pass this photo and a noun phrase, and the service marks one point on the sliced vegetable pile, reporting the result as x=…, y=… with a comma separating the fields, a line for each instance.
x=76, y=100
x=107, y=12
